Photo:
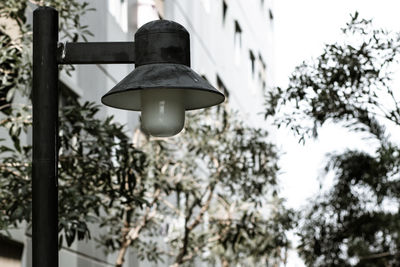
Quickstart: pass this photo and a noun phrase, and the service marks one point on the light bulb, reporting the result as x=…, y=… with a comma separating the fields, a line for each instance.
x=163, y=112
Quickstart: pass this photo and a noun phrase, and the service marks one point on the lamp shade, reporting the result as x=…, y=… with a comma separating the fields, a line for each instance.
x=196, y=92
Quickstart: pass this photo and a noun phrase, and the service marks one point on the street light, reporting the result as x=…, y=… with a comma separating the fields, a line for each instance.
x=162, y=87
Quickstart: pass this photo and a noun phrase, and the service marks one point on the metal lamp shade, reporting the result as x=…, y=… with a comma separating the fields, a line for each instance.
x=197, y=92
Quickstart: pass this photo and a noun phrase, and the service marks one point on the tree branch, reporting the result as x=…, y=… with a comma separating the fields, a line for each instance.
x=203, y=210
x=182, y=255
x=133, y=233
x=379, y=255
x=171, y=206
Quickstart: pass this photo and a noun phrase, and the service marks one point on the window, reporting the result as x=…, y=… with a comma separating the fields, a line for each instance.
x=252, y=63
x=220, y=85
x=67, y=96
x=271, y=15
x=222, y=88
x=119, y=10
x=10, y=253
x=237, y=42
x=160, y=8
x=262, y=73
x=238, y=33
x=224, y=9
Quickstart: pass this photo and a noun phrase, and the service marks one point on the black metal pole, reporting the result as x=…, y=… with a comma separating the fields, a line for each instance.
x=45, y=133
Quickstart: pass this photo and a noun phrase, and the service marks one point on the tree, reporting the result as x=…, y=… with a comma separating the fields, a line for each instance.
x=357, y=222
x=215, y=186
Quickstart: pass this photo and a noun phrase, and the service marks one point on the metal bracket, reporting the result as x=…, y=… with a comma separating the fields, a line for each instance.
x=96, y=53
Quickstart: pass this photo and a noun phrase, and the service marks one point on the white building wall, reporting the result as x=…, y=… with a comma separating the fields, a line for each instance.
x=213, y=54
x=213, y=48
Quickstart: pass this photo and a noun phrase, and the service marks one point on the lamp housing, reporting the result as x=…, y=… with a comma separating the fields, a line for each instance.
x=162, y=86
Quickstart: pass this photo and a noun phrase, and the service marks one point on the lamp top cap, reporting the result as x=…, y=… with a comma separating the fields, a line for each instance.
x=45, y=9
x=158, y=26
x=162, y=41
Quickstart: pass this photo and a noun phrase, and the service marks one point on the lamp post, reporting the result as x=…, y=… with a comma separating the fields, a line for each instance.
x=162, y=87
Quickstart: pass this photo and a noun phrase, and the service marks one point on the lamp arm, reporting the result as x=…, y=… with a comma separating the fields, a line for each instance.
x=96, y=53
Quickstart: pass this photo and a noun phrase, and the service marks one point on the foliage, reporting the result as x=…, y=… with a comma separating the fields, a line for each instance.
x=356, y=223
x=77, y=160
x=16, y=42
x=215, y=184
x=97, y=170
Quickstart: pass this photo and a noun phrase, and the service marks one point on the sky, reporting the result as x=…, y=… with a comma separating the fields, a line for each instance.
x=302, y=27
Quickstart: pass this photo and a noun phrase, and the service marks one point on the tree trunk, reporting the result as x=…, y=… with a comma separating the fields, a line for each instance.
x=225, y=263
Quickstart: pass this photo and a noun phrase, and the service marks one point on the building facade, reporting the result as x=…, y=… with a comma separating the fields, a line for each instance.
x=231, y=46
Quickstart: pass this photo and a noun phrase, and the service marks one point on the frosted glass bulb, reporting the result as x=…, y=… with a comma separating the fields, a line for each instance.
x=163, y=112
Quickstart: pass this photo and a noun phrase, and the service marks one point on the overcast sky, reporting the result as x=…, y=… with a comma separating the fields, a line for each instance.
x=301, y=29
